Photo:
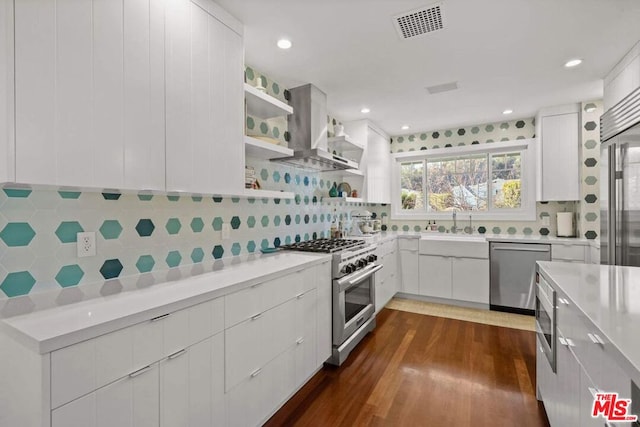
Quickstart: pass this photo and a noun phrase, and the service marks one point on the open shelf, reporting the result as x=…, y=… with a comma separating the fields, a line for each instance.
x=257, y=148
x=352, y=172
x=269, y=194
x=264, y=106
x=344, y=143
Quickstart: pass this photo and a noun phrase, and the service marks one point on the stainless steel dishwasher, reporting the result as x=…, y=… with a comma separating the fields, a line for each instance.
x=512, y=272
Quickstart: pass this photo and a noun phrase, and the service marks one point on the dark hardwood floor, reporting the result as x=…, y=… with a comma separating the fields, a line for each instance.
x=417, y=370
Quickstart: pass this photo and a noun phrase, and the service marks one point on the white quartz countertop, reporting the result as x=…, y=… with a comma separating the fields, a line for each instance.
x=609, y=296
x=45, y=330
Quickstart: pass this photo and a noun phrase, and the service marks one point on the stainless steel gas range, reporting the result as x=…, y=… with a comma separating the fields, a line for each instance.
x=353, y=281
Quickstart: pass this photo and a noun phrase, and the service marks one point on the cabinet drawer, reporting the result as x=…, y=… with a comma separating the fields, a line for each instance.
x=244, y=304
x=408, y=244
x=89, y=365
x=568, y=252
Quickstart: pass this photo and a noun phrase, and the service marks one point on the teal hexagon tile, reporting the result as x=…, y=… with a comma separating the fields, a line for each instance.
x=417, y=228
x=67, y=231
x=448, y=134
x=196, y=199
x=265, y=200
x=251, y=200
x=475, y=130
x=251, y=246
x=145, y=197
x=235, y=199
x=287, y=177
x=111, y=269
x=250, y=123
x=423, y=136
x=511, y=230
x=287, y=240
x=496, y=230
x=400, y=139
x=217, y=199
x=591, y=235
x=145, y=263
x=145, y=227
x=591, y=216
x=590, y=144
x=197, y=255
x=251, y=221
x=297, y=199
x=306, y=200
x=276, y=242
x=249, y=73
x=276, y=201
x=235, y=249
x=17, y=283
x=17, y=234
x=297, y=179
x=405, y=227
x=544, y=231
x=276, y=176
x=69, y=194
x=520, y=124
x=287, y=219
x=321, y=218
x=489, y=128
x=275, y=88
x=412, y=138
x=173, y=226
x=264, y=128
x=297, y=219
x=321, y=183
x=173, y=259
x=173, y=198
x=111, y=196
x=314, y=182
x=276, y=220
x=217, y=223
x=197, y=225
x=17, y=192
x=504, y=126
x=235, y=222
x=590, y=180
x=265, y=221
x=69, y=275
x=395, y=227
x=264, y=244
x=110, y=229
x=275, y=132
x=306, y=237
x=217, y=252
x=314, y=218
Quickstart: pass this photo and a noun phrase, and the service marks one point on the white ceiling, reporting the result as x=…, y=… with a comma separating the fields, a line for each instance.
x=503, y=54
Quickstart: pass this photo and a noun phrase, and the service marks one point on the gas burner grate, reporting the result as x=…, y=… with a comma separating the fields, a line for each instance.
x=324, y=245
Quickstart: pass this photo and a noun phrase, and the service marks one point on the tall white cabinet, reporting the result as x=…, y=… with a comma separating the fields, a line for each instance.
x=89, y=93
x=375, y=162
x=205, y=95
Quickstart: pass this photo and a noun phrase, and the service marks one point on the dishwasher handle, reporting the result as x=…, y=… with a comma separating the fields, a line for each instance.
x=520, y=249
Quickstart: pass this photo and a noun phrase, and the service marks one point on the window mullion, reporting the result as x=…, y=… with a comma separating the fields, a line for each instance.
x=425, y=191
x=489, y=183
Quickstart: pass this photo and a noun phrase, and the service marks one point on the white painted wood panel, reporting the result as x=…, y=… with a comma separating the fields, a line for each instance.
x=435, y=276
x=7, y=138
x=409, y=270
x=305, y=335
x=322, y=276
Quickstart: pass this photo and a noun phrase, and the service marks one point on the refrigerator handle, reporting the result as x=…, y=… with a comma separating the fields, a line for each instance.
x=618, y=188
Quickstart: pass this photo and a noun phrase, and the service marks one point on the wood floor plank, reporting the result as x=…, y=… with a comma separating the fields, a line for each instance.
x=419, y=370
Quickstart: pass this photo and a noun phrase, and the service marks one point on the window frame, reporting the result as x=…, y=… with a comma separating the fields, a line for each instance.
x=527, y=211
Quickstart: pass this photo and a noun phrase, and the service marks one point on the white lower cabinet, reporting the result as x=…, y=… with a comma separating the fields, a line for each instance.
x=387, y=278
x=132, y=401
x=470, y=280
x=409, y=271
x=435, y=276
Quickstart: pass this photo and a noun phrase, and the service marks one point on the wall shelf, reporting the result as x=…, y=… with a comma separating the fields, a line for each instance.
x=264, y=106
x=259, y=149
x=248, y=192
x=352, y=172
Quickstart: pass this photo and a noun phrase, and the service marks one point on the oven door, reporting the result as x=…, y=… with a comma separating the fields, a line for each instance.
x=353, y=302
x=546, y=320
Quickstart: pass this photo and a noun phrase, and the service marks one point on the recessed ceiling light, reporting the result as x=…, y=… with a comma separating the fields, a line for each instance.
x=505, y=112
x=573, y=63
x=284, y=44
x=405, y=127
x=365, y=110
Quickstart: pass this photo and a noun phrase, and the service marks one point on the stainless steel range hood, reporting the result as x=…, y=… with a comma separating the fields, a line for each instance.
x=308, y=128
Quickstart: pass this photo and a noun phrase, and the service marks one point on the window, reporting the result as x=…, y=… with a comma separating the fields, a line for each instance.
x=491, y=180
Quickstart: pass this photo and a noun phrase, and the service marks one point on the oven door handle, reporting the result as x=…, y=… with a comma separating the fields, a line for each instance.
x=355, y=278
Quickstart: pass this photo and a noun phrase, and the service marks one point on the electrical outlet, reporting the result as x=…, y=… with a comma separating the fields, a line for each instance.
x=545, y=220
x=86, y=244
x=226, y=231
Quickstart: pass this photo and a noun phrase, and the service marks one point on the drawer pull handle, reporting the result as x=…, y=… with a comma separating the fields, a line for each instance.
x=562, y=341
x=140, y=371
x=570, y=342
x=155, y=319
x=177, y=354
x=256, y=372
x=300, y=340
x=300, y=295
x=256, y=316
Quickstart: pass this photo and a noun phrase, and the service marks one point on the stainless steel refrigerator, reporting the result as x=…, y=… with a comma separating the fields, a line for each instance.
x=620, y=183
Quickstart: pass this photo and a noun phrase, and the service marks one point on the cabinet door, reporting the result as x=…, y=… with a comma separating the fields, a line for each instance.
x=192, y=385
x=587, y=395
x=129, y=402
x=566, y=395
x=89, y=93
x=560, y=157
x=378, y=168
x=470, y=279
x=435, y=276
x=204, y=98
x=324, y=295
x=409, y=271
x=7, y=146
x=305, y=351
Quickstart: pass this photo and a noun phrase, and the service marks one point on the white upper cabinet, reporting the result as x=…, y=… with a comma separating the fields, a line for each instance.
x=558, y=153
x=89, y=93
x=7, y=146
x=375, y=162
x=204, y=101
x=623, y=79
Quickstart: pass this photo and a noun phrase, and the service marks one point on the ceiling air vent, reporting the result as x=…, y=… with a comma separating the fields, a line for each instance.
x=446, y=87
x=419, y=22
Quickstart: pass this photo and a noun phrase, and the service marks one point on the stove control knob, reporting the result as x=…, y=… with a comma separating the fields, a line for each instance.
x=352, y=267
x=347, y=269
x=372, y=258
x=362, y=263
